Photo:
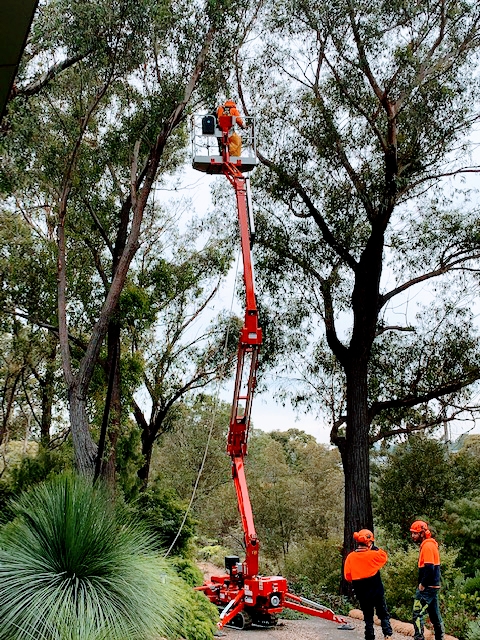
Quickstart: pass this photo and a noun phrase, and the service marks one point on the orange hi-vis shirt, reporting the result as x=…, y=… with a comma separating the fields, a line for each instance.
x=429, y=563
x=364, y=563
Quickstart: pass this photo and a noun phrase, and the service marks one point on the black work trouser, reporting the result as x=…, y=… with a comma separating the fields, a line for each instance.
x=426, y=601
x=370, y=605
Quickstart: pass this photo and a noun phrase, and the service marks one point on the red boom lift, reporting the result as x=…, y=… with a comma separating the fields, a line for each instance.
x=243, y=596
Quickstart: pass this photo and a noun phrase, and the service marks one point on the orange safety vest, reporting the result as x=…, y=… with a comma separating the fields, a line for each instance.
x=429, y=563
x=364, y=563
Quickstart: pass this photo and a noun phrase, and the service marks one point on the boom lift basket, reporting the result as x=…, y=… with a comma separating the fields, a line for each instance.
x=205, y=137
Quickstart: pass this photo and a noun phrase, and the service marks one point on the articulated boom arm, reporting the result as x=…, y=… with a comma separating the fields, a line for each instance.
x=245, y=380
x=243, y=596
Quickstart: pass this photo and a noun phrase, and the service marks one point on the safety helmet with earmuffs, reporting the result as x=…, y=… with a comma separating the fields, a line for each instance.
x=420, y=526
x=364, y=536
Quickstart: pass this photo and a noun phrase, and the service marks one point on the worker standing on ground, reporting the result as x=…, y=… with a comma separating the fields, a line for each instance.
x=362, y=569
x=426, y=596
x=229, y=109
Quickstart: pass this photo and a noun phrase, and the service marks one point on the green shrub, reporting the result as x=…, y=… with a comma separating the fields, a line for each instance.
x=30, y=471
x=200, y=617
x=458, y=608
x=188, y=571
x=159, y=508
x=213, y=553
x=71, y=569
x=472, y=585
x=317, y=560
x=399, y=576
x=314, y=571
x=462, y=531
x=473, y=630
x=200, y=614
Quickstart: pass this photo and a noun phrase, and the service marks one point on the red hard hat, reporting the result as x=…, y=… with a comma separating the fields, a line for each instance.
x=364, y=536
x=230, y=103
x=418, y=526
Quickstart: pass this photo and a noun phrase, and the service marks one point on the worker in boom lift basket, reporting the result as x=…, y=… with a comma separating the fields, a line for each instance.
x=229, y=108
x=426, y=596
x=362, y=569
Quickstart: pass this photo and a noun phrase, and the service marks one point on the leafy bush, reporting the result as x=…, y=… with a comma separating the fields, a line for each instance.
x=473, y=630
x=472, y=585
x=70, y=569
x=414, y=481
x=314, y=571
x=458, y=608
x=462, y=530
x=159, y=508
x=317, y=560
x=304, y=587
x=200, y=617
x=188, y=571
x=399, y=576
x=213, y=553
x=29, y=472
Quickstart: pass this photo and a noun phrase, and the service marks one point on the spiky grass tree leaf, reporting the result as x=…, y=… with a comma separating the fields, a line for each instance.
x=69, y=570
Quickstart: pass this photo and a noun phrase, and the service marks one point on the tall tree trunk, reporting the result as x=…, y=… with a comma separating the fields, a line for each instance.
x=109, y=466
x=147, y=449
x=83, y=445
x=9, y=397
x=356, y=457
x=48, y=392
x=355, y=453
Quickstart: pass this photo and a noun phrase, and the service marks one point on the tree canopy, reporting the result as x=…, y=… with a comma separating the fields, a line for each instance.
x=367, y=113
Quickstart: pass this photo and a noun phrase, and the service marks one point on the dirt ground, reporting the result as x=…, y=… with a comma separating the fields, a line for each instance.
x=319, y=629
x=311, y=629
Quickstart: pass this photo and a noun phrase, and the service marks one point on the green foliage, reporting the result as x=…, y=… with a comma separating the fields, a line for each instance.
x=315, y=562
x=129, y=460
x=296, y=487
x=462, y=530
x=414, y=481
x=310, y=589
x=213, y=553
x=70, y=568
x=160, y=509
x=295, y=484
x=422, y=478
x=400, y=577
x=472, y=585
x=188, y=571
x=473, y=630
x=459, y=609
x=31, y=470
x=179, y=456
x=201, y=615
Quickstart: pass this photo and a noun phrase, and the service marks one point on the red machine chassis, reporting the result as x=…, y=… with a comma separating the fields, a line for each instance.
x=243, y=596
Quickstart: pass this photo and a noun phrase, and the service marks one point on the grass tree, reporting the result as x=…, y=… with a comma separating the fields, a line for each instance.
x=71, y=569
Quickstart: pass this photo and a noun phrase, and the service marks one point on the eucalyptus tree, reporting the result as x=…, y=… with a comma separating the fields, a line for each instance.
x=186, y=345
x=30, y=367
x=367, y=111
x=96, y=118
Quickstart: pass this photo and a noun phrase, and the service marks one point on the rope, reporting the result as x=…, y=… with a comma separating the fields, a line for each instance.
x=214, y=415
